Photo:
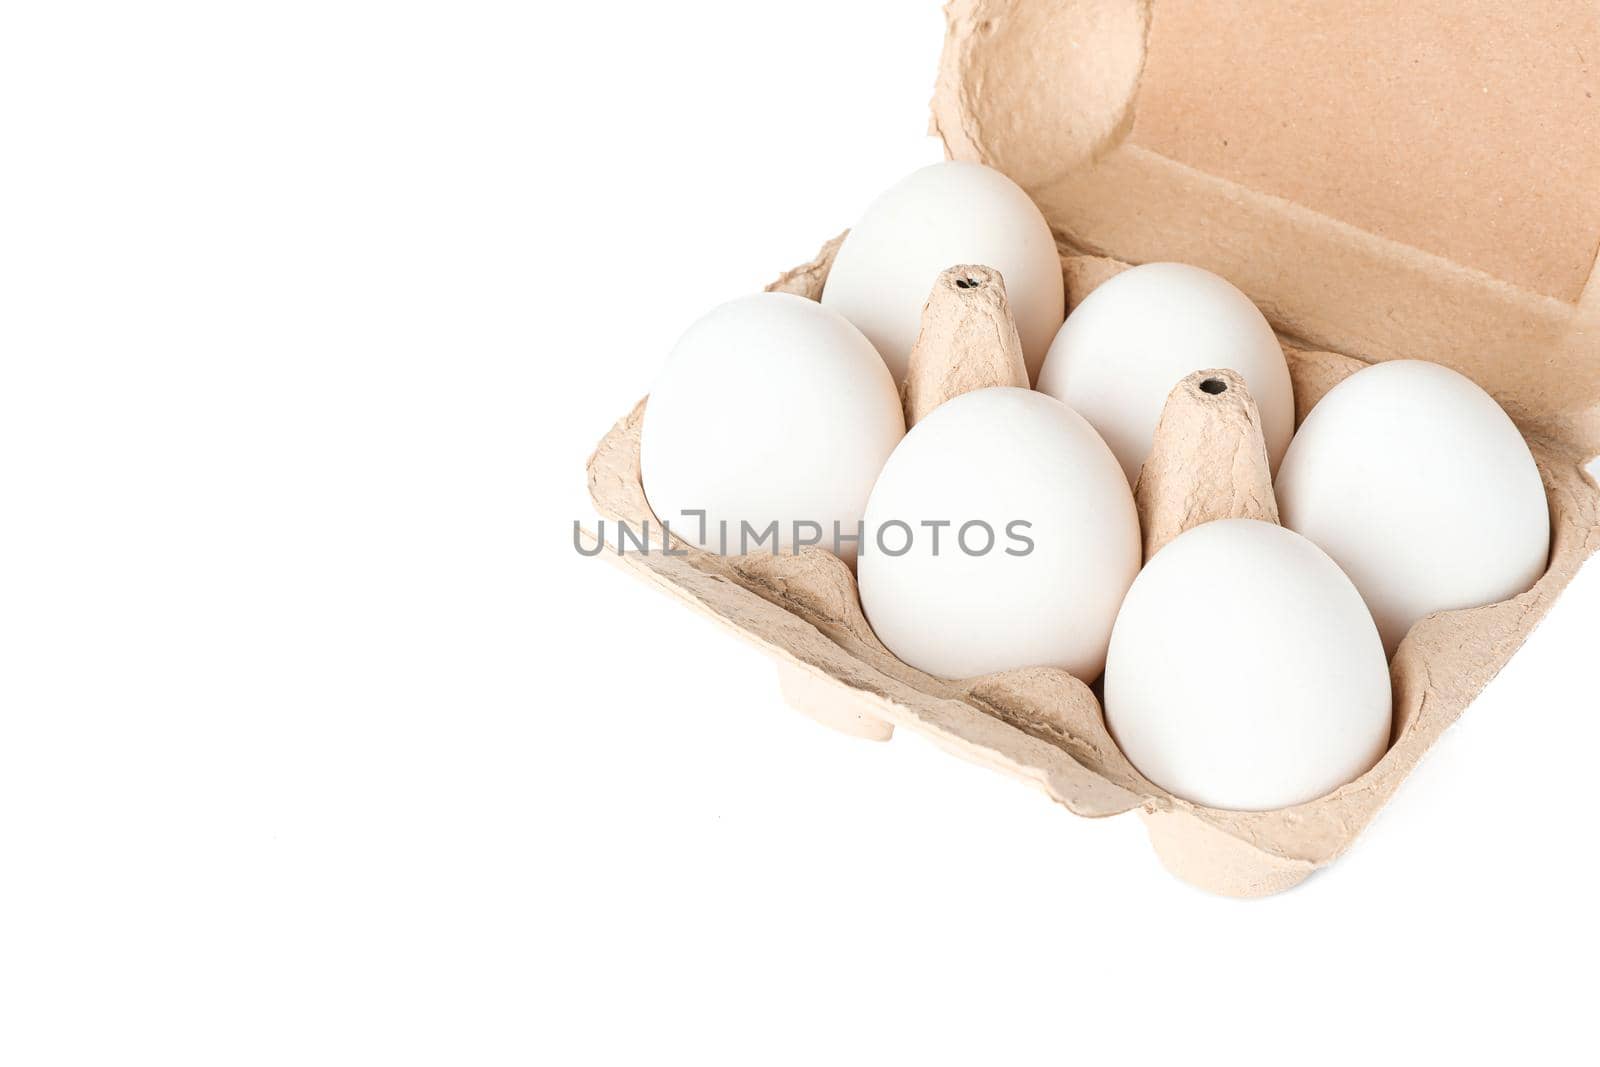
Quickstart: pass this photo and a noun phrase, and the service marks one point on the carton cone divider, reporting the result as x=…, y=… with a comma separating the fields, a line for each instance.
x=1208, y=461
x=968, y=341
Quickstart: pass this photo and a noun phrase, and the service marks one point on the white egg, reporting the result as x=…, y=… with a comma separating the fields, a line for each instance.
x=1022, y=539
x=1416, y=482
x=1124, y=348
x=943, y=216
x=1245, y=672
x=771, y=408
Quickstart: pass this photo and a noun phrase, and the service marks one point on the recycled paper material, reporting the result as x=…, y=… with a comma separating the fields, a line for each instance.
x=1366, y=181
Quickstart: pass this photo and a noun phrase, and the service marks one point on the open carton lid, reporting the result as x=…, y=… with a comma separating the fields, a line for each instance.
x=1389, y=180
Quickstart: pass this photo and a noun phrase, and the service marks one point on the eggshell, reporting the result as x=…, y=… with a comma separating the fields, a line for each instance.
x=770, y=408
x=1138, y=334
x=1245, y=671
x=999, y=456
x=1417, y=483
x=939, y=216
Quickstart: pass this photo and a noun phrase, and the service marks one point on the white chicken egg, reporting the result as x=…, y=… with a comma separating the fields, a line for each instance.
x=1000, y=534
x=1245, y=671
x=1121, y=351
x=1417, y=483
x=940, y=216
x=770, y=409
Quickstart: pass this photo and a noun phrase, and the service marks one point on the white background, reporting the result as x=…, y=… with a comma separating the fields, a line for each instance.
x=318, y=742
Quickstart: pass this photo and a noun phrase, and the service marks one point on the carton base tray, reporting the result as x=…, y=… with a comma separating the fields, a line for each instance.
x=1044, y=726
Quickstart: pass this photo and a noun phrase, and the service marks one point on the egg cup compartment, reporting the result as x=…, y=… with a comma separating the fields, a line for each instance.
x=1043, y=725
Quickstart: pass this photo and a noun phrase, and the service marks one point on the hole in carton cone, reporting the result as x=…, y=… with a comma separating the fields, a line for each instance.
x=1213, y=386
x=969, y=283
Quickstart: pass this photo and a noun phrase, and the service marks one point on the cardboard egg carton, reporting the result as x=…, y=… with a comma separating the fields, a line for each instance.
x=1206, y=132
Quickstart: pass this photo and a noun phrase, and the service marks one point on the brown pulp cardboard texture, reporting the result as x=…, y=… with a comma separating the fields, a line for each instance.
x=968, y=341
x=1208, y=461
x=1392, y=180
x=1092, y=106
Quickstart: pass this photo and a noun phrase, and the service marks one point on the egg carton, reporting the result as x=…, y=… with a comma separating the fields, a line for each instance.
x=1129, y=172
x=1043, y=725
